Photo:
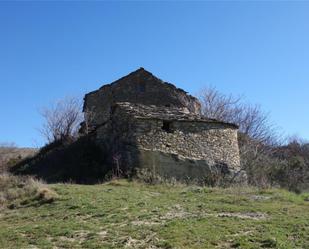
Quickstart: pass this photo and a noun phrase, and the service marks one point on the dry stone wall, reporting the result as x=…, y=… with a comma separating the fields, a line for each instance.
x=138, y=87
x=145, y=123
x=197, y=141
x=188, y=149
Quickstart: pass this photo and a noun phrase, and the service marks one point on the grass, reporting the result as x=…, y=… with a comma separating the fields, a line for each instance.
x=122, y=214
x=16, y=191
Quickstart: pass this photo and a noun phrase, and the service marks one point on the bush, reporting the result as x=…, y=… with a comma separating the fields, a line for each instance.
x=149, y=177
x=16, y=190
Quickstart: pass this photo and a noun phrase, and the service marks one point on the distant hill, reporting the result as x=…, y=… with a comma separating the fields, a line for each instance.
x=8, y=153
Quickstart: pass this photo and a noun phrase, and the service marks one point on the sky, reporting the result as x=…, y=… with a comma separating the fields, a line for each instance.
x=49, y=50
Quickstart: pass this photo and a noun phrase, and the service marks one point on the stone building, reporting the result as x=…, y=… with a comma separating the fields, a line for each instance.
x=145, y=124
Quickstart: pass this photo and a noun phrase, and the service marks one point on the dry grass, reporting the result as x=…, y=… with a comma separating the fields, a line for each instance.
x=15, y=190
x=10, y=155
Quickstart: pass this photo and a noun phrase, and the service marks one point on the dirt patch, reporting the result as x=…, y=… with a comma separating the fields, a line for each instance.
x=102, y=234
x=225, y=245
x=131, y=242
x=78, y=236
x=242, y=233
x=31, y=247
x=64, y=238
x=154, y=194
x=148, y=242
x=145, y=223
x=176, y=212
x=253, y=216
x=179, y=214
x=259, y=197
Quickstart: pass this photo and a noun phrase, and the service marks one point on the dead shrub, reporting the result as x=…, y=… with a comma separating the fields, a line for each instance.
x=16, y=190
x=148, y=177
x=46, y=195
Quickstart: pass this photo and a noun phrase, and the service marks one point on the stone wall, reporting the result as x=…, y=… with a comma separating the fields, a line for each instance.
x=214, y=143
x=138, y=87
x=181, y=149
x=144, y=122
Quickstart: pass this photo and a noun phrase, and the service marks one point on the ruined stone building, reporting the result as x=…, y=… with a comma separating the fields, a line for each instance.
x=147, y=124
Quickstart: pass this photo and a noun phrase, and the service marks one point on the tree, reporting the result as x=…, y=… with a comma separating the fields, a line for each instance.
x=219, y=106
x=257, y=136
x=252, y=121
x=294, y=175
x=61, y=120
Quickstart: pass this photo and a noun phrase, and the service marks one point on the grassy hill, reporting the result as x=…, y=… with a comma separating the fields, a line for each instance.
x=13, y=154
x=122, y=214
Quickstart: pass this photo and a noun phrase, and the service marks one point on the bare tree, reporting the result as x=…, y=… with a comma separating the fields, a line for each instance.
x=296, y=139
x=257, y=138
x=62, y=119
x=219, y=106
x=252, y=121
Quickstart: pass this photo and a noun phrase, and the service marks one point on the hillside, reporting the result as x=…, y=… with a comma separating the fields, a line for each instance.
x=12, y=152
x=122, y=214
x=8, y=153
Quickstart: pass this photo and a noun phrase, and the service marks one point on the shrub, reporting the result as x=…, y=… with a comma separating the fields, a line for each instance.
x=16, y=190
x=149, y=177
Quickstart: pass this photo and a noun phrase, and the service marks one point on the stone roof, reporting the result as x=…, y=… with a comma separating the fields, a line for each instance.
x=143, y=74
x=139, y=75
x=141, y=111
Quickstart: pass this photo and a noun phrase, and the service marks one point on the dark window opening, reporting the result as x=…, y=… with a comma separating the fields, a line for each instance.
x=167, y=126
x=167, y=105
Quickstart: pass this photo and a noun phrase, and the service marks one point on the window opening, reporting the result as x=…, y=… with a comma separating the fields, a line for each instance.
x=167, y=126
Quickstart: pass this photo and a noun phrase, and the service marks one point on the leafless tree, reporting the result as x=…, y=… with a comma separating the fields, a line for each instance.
x=296, y=139
x=219, y=106
x=62, y=119
x=258, y=138
x=252, y=121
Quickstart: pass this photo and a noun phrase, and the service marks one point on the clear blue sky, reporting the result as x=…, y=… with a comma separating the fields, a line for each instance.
x=49, y=50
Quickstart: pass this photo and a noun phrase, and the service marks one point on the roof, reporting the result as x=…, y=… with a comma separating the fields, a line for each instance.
x=141, y=73
x=141, y=111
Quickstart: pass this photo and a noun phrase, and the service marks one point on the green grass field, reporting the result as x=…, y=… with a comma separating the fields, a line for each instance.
x=123, y=214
